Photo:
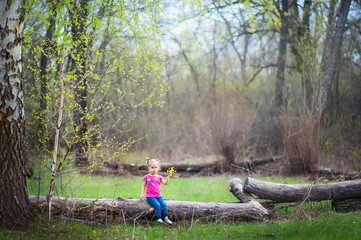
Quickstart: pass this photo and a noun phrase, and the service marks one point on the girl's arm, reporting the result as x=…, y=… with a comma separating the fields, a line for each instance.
x=144, y=185
x=165, y=182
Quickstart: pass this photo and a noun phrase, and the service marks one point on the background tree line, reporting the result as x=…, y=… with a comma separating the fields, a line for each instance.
x=242, y=78
x=251, y=78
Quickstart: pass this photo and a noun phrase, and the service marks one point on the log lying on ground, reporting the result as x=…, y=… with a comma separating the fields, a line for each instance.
x=263, y=161
x=141, y=169
x=345, y=205
x=303, y=192
x=334, y=174
x=236, y=188
x=117, y=210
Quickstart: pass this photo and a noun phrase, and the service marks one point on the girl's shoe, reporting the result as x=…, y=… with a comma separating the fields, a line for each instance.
x=160, y=220
x=166, y=219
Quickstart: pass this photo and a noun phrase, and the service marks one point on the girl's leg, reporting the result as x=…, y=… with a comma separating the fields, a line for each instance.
x=163, y=206
x=156, y=205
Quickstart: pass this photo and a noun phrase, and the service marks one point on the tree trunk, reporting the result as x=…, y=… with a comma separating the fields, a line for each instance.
x=307, y=65
x=14, y=201
x=303, y=192
x=118, y=210
x=56, y=142
x=280, y=79
x=47, y=48
x=328, y=37
x=333, y=58
x=81, y=84
x=43, y=74
x=300, y=42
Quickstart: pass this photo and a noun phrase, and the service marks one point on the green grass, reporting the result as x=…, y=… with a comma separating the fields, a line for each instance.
x=184, y=189
x=310, y=221
x=332, y=226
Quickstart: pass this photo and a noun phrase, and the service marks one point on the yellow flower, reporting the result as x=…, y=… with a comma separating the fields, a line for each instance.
x=171, y=170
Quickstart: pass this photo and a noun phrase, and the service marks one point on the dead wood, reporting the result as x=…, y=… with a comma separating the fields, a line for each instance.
x=236, y=188
x=117, y=210
x=303, y=192
x=324, y=173
x=345, y=205
x=183, y=169
x=263, y=161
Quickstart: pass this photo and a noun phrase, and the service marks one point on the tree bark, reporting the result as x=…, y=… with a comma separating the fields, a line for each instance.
x=117, y=210
x=333, y=58
x=328, y=37
x=43, y=74
x=56, y=142
x=47, y=48
x=14, y=201
x=81, y=84
x=280, y=79
x=346, y=205
x=303, y=192
x=236, y=188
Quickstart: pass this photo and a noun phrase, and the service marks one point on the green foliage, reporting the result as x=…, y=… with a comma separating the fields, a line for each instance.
x=122, y=67
x=329, y=145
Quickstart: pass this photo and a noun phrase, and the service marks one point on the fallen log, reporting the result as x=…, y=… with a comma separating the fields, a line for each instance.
x=303, y=192
x=324, y=173
x=345, y=205
x=188, y=168
x=263, y=161
x=236, y=188
x=117, y=210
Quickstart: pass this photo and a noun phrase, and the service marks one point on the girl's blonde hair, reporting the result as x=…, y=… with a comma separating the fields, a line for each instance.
x=151, y=161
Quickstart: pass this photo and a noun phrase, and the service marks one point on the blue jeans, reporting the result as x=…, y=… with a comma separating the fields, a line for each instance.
x=159, y=205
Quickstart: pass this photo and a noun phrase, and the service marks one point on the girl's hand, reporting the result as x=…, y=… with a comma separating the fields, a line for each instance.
x=141, y=196
x=170, y=171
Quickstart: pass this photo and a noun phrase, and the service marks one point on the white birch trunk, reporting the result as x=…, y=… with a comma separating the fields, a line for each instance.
x=56, y=143
x=14, y=201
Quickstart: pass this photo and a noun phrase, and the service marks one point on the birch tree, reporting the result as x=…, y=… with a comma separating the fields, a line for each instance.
x=14, y=201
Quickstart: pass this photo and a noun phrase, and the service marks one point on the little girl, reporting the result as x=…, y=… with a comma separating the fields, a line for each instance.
x=152, y=182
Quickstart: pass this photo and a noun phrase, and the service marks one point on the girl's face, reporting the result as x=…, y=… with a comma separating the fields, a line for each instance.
x=153, y=168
